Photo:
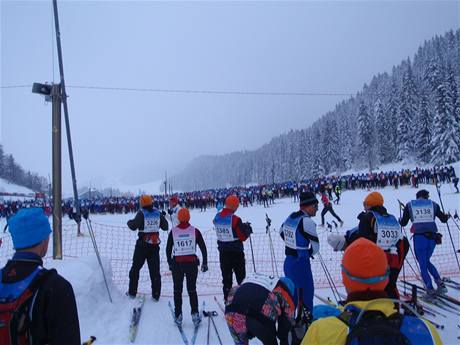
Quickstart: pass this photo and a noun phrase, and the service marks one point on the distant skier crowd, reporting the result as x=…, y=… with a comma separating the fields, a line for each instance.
x=258, y=194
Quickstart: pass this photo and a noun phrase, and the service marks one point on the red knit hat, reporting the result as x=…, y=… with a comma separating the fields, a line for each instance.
x=183, y=215
x=232, y=202
x=145, y=200
x=364, y=267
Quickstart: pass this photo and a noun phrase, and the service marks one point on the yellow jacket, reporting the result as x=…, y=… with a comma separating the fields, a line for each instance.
x=332, y=331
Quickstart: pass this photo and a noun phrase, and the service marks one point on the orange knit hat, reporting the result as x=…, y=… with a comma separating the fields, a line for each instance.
x=183, y=215
x=145, y=200
x=374, y=199
x=364, y=267
x=232, y=202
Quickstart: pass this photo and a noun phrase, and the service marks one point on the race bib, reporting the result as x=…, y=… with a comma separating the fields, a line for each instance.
x=388, y=232
x=422, y=211
x=151, y=224
x=289, y=237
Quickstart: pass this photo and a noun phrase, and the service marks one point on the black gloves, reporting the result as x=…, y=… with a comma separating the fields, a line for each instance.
x=248, y=227
x=204, y=267
x=163, y=213
x=170, y=211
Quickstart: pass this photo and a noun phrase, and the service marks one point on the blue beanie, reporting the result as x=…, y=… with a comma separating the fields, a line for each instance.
x=289, y=285
x=28, y=227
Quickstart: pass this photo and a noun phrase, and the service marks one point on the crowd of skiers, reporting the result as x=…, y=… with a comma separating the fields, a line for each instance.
x=34, y=301
x=270, y=308
x=248, y=196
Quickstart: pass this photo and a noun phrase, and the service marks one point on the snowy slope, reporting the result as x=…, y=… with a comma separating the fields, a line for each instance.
x=8, y=187
x=109, y=322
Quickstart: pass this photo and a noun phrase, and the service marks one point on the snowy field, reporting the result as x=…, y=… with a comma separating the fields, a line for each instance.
x=109, y=322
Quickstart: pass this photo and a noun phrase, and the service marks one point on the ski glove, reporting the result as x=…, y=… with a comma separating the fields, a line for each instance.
x=248, y=227
x=163, y=213
x=336, y=241
x=170, y=212
x=204, y=268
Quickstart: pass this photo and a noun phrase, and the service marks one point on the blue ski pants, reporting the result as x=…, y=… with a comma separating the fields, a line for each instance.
x=424, y=248
x=298, y=269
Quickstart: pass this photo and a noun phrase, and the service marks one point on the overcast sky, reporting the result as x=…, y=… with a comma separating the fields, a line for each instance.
x=286, y=47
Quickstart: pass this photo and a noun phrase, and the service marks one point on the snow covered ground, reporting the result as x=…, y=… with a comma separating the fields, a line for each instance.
x=109, y=321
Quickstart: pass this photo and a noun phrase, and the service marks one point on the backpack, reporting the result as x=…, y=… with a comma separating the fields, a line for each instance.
x=374, y=328
x=16, y=308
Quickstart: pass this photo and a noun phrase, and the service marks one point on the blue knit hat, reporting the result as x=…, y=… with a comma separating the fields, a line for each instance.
x=28, y=227
x=289, y=285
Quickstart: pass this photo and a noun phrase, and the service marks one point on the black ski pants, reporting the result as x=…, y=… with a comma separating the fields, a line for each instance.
x=189, y=270
x=145, y=251
x=326, y=209
x=264, y=331
x=231, y=261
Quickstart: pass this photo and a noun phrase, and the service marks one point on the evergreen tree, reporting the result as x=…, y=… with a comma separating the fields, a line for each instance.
x=2, y=164
x=407, y=114
x=392, y=111
x=423, y=132
x=445, y=147
x=382, y=129
x=366, y=135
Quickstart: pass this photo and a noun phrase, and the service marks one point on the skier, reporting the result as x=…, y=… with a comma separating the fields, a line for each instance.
x=231, y=232
x=337, y=192
x=261, y=307
x=327, y=207
x=382, y=228
x=37, y=306
x=173, y=209
x=183, y=262
x=455, y=182
x=301, y=242
x=148, y=221
x=422, y=212
x=365, y=274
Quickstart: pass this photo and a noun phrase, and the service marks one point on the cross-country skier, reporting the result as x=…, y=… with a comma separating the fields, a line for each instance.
x=173, y=209
x=382, y=228
x=327, y=207
x=183, y=262
x=231, y=232
x=365, y=275
x=422, y=212
x=301, y=242
x=261, y=307
x=148, y=221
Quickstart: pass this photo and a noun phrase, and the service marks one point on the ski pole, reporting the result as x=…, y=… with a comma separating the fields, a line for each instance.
x=96, y=250
x=447, y=224
x=272, y=249
x=329, y=278
x=252, y=252
x=215, y=328
x=209, y=328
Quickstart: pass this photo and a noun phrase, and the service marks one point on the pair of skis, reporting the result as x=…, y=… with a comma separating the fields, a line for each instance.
x=135, y=317
x=181, y=329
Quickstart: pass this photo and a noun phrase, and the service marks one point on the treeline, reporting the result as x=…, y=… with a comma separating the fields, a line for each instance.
x=14, y=173
x=410, y=115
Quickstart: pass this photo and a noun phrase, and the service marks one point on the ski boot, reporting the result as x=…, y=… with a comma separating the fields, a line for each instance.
x=178, y=319
x=130, y=296
x=196, y=318
x=442, y=289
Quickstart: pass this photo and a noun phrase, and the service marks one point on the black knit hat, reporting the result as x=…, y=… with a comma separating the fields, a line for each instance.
x=307, y=199
x=422, y=194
